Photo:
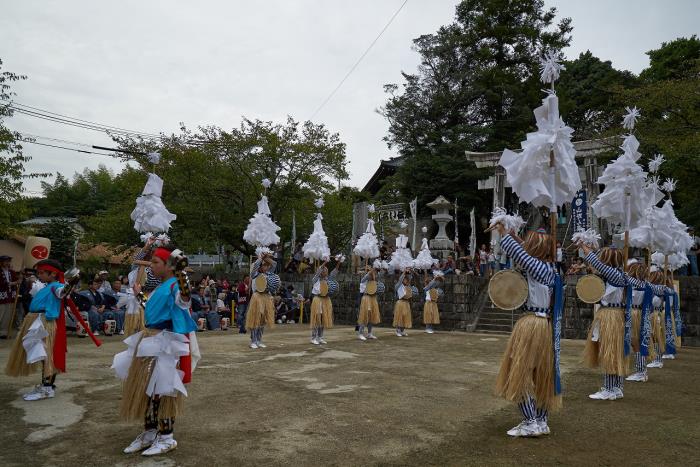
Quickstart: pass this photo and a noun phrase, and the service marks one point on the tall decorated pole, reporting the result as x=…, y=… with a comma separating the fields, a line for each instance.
x=316, y=247
x=545, y=174
x=367, y=245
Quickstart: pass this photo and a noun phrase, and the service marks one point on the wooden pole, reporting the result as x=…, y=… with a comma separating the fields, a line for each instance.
x=553, y=207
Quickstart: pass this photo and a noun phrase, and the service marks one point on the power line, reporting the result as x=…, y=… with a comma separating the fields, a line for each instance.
x=14, y=104
x=347, y=75
x=68, y=149
x=58, y=140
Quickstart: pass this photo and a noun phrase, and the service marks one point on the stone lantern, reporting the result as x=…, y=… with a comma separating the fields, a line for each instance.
x=441, y=243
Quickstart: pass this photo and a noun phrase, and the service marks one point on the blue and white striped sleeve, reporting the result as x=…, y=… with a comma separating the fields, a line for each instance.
x=399, y=283
x=333, y=274
x=609, y=273
x=365, y=278
x=317, y=276
x=254, y=270
x=538, y=269
x=657, y=289
x=636, y=283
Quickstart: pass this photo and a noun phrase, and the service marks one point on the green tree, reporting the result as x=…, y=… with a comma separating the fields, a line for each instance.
x=677, y=59
x=213, y=177
x=475, y=89
x=63, y=237
x=588, y=92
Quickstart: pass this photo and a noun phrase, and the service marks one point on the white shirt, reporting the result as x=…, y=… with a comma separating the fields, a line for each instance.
x=637, y=297
x=560, y=255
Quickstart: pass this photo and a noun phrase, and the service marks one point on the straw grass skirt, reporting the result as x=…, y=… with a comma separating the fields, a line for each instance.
x=321, y=312
x=527, y=366
x=608, y=352
x=261, y=311
x=17, y=361
x=431, y=314
x=134, y=322
x=402, y=314
x=369, y=310
x=658, y=329
x=135, y=401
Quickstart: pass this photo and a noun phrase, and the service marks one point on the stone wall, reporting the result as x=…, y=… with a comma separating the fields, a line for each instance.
x=466, y=295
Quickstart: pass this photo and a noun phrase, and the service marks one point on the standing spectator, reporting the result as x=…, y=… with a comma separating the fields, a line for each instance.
x=243, y=297
x=8, y=291
x=25, y=298
x=279, y=256
x=492, y=262
x=483, y=261
x=503, y=261
x=560, y=259
x=105, y=288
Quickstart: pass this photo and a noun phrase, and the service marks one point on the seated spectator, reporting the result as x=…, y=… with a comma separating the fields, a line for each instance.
x=95, y=318
x=466, y=265
x=221, y=308
x=196, y=310
x=577, y=268
x=449, y=265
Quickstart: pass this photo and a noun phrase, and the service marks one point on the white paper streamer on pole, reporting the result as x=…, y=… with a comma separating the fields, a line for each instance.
x=316, y=247
x=261, y=230
x=401, y=258
x=367, y=245
x=413, y=205
x=150, y=214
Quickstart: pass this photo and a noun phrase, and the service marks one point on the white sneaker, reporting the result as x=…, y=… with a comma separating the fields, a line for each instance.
x=142, y=441
x=543, y=427
x=431, y=331
x=315, y=341
x=655, y=364
x=525, y=429
x=617, y=394
x=361, y=337
x=371, y=336
x=39, y=392
x=322, y=340
x=253, y=345
x=96, y=333
x=261, y=345
x=427, y=331
x=404, y=334
x=398, y=333
x=668, y=356
x=603, y=395
x=121, y=333
x=642, y=377
x=162, y=444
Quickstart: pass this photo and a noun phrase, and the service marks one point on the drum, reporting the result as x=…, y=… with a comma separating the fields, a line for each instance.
x=109, y=327
x=433, y=295
x=201, y=324
x=590, y=288
x=225, y=323
x=79, y=329
x=508, y=289
x=323, y=288
x=371, y=288
x=260, y=283
x=408, y=293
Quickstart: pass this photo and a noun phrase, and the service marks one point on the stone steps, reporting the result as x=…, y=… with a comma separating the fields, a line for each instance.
x=493, y=320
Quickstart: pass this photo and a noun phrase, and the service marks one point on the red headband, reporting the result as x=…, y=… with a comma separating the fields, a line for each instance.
x=162, y=253
x=48, y=267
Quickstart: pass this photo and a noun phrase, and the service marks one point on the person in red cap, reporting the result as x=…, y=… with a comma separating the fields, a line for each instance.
x=38, y=344
x=167, y=351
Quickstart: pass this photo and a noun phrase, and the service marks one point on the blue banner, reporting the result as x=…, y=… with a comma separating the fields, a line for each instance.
x=579, y=210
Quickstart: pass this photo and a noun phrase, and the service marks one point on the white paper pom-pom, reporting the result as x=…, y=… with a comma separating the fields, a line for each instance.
x=669, y=185
x=630, y=119
x=550, y=68
x=510, y=222
x=424, y=229
x=266, y=182
x=588, y=237
x=319, y=203
x=370, y=208
x=340, y=258
x=403, y=224
x=655, y=163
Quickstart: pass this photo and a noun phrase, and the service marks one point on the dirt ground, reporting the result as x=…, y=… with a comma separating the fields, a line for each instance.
x=420, y=400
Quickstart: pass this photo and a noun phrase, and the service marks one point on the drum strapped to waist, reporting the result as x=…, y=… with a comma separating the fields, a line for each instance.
x=408, y=293
x=508, y=289
x=590, y=288
x=433, y=295
x=371, y=288
x=323, y=288
x=260, y=283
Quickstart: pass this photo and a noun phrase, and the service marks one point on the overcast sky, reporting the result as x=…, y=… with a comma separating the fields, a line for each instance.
x=149, y=65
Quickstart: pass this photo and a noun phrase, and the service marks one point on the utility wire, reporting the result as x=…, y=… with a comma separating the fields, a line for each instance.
x=347, y=75
x=69, y=149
